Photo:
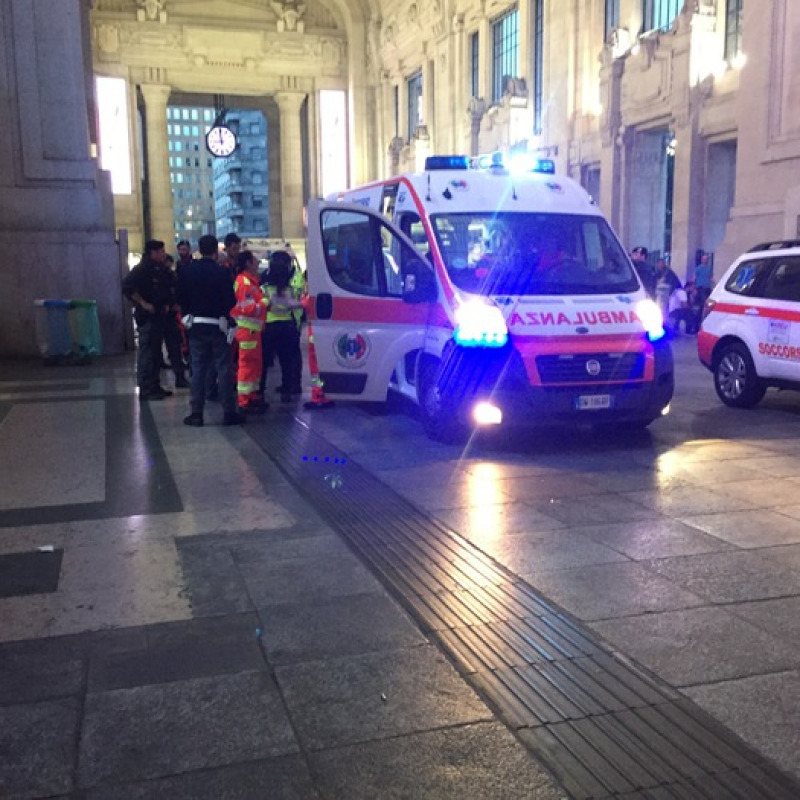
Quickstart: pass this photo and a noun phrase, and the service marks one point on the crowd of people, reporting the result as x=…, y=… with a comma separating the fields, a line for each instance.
x=679, y=302
x=220, y=320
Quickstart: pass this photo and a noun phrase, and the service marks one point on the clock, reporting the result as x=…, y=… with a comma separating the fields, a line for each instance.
x=221, y=141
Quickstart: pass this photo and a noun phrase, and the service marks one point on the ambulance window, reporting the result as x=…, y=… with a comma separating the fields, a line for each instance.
x=412, y=226
x=749, y=277
x=783, y=282
x=350, y=251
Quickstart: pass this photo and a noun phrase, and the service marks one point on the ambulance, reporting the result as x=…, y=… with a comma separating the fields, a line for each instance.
x=489, y=294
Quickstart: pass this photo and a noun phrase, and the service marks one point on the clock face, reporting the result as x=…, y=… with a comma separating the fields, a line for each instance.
x=221, y=141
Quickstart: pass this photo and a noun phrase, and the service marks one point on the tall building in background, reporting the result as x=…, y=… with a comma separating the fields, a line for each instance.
x=240, y=182
x=191, y=171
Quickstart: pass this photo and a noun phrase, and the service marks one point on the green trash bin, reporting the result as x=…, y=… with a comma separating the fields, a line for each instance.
x=85, y=329
x=53, y=332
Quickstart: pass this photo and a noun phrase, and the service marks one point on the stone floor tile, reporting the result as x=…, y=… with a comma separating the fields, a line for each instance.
x=37, y=748
x=341, y=626
x=611, y=590
x=274, y=547
x=480, y=762
x=543, y=551
x=342, y=701
x=177, y=651
x=212, y=579
x=733, y=576
x=687, y=500
x=306, y=580
x=284, y=778
x=780, y=617
x=595, y=508
x=763, y=709
x=749, y=529
x=762, y=493
x=486, y=524
x=699, y=645
x=653, y=538
x=154, y=731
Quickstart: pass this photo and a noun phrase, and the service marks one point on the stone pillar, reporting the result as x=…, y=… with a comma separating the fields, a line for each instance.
x=56, y=209
x=274, y=167
x=289, y=104
x=161, y=219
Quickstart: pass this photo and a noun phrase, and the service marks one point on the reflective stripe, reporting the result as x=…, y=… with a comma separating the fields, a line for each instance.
x=248, y=345
x=249, y=324
x=246, y=388
x=206, y=320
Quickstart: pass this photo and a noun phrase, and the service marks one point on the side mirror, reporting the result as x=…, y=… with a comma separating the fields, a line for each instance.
x=419, y=283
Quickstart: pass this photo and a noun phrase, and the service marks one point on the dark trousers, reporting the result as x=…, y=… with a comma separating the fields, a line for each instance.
x=282, y=339
x=148, y=359
x=172, y=338
x=690, y=319
x=208, y=347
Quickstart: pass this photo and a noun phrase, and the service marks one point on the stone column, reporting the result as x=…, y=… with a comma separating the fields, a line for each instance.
x=161, y=220
x=289, y=104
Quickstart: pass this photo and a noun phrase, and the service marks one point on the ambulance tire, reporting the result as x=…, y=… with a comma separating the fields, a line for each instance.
x=735, y=378
x=439, y=414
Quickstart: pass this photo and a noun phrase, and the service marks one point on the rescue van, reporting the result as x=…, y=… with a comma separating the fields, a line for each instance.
x=750, y=334
x=487, y=296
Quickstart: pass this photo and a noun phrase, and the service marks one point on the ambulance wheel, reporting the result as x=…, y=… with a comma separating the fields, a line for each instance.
x=439, y=413
x=735, y=377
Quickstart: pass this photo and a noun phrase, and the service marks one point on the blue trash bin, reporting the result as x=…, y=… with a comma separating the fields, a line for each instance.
x=53, y=333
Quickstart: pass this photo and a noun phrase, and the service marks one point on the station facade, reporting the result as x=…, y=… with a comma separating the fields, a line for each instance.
x=681, y=118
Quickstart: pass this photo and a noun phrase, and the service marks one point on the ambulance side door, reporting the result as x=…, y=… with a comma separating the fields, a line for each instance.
x=358, y=265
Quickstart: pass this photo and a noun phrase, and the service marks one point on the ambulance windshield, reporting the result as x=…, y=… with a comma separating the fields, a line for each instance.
x=532, y=254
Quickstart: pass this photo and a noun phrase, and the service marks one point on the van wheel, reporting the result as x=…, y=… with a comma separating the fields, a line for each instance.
x=439, y=413
x=735, y=377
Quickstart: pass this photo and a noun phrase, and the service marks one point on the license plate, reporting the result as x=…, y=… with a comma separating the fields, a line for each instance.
x=592, y=402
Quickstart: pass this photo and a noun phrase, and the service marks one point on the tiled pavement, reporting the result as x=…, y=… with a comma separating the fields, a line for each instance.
x=211, y=635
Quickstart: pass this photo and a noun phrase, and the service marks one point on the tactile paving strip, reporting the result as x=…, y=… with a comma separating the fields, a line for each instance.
x=601, y=725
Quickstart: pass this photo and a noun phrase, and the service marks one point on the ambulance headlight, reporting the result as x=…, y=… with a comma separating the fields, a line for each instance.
x=650, y=316
x=480, y=324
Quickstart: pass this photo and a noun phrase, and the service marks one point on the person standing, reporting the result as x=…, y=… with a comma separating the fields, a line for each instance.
x=297, y=284
x=184, y=255
x=173, y=335
x=250, y=313
x=149, y=288
x=280, y=333
x=704, y=277
x=227, y=259
x=206, y=297
x=643, y=269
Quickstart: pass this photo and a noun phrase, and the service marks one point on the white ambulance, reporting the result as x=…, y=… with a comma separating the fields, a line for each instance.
x=488, y=295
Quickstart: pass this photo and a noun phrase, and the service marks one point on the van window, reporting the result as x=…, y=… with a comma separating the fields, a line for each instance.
x=784, y=280
x=532, y=254
x=749, y=278
x=362, y=254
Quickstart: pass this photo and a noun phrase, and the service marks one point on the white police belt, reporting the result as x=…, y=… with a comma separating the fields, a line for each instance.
x=189, y=319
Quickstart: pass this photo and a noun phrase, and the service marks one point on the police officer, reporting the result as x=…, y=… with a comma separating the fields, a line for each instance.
x=149, y=287
x=206, y=297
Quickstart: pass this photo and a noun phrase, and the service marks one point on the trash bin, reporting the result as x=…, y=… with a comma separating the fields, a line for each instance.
x=53, y=334
x=67, y=331
x=85, y=328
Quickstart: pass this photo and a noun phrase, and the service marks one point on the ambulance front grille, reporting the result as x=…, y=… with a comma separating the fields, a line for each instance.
x=590, y=368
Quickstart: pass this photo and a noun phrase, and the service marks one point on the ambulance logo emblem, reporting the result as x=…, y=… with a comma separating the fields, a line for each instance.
x=351, y=349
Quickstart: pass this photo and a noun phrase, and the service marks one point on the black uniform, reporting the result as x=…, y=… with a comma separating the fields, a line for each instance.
x=153, y=282
x=205, y=290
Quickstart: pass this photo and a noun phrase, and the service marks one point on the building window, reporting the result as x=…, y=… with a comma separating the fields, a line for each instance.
x=611, y=19
x=734, y=12
x=194, y=113
x=474, y=64
x=659, y=14
x=505, y=51
x=538, y=65
x=414, y=87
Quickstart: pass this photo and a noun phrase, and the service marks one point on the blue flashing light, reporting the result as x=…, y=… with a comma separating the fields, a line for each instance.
x=545, y=165
x=433, y=163
x=480, y=324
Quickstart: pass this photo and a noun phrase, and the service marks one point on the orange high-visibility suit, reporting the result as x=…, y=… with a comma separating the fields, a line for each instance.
x=250, y=313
